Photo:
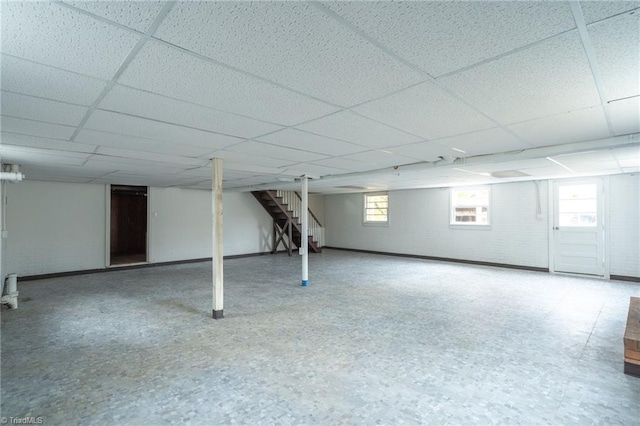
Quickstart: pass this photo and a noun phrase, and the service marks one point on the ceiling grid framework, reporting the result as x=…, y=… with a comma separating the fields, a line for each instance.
x=373, y=95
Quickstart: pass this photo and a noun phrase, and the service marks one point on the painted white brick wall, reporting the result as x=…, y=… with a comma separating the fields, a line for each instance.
x=180, y=225
x=60, y=227
x=419, y=224
x=54, y=227
x=624, y=224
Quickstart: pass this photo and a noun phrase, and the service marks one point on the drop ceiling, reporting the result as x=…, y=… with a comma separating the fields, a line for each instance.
x=358, y=95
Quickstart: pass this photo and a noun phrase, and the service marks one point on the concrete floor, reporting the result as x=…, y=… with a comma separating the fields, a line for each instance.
x=372, y=340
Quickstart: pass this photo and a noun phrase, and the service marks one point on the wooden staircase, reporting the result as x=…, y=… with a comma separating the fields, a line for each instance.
x=284, y=208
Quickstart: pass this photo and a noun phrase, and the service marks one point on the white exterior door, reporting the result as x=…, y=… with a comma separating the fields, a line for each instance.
x=578, y=227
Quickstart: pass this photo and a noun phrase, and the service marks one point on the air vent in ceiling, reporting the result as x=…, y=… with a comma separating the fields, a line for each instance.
x=352, y=187
x=504, y=174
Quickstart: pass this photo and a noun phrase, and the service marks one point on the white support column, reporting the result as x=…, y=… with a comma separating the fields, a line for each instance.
x=217, y=247
x=304, y=238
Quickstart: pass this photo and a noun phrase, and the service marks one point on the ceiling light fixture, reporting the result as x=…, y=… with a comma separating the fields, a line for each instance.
x=459, y=150
x=559, y=164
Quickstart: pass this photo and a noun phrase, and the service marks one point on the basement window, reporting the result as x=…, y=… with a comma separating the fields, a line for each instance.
x=470, y=206
x=376, y=209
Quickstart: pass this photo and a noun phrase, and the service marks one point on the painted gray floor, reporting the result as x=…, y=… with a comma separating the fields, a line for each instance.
x=372, y=340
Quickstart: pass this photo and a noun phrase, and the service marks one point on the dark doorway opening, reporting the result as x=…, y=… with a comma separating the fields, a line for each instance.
x=128, y=224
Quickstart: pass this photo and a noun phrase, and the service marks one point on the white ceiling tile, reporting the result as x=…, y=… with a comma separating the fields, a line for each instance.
x=64, y=177
x=59, y=172
x=545, y=171
x=249, y=159
x=322, y=54
x=252, y=181
x=490, y=141
x=36, y=156
x=138, y=15
x=36, y=128
x=35, y=79
x=362, y=131
x=575, y=126
x=134, y=126
x=346, y=164
x=440, y=37
x=151, y=105
x=424, y=151
x=52, y=34
x=597, y=10
x=380, y=158
x=293, y=138
x=273, y=151
x=316, y=169
x=547, y=79
x=522, y=165
x=426, y=110
x=115, y=140
x=45, y=143
x=23, y=106
x=148, y=156
x=617, y=45
x=575, y=158
x=132, y=165
x=160, y=69
x=625, y=116
x=627, y=156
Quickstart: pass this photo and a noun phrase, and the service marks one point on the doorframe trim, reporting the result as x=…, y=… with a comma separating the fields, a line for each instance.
x=606, y=206
x=606, y=241
x=107, y=231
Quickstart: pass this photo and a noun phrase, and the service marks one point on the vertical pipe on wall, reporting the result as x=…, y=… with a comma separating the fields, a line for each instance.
x=304, y=237
x=217, y=247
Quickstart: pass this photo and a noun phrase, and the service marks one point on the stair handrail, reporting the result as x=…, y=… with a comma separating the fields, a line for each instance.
x=294, y=202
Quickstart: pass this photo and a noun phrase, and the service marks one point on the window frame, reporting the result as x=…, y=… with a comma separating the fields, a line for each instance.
x=364, y=209
x=470, y=225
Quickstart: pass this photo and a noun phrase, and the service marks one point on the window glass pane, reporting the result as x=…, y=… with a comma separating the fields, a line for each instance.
x=470, y=206
x=577, y=219
x=577, y=205
x=376, y=208
x=567, y=206
x=572, y=192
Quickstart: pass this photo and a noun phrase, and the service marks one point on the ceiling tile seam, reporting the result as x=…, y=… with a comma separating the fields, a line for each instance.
x=505, y=54
x=397, y=57
x=257, y=138
x=590, y=53
x=386, y=95
x=40, y=121
x=199, y=105
x=128, y=59
x=44, y=98
x=48, y=150
x=109, y=156
x=287, y=147
x=393, y=127
x=167, y=122
x=243, y=72
x=32, y=136
x=557, y=114
x=322, y=165
x=101, y=80
x=145, y=152
x=617, y=15
x=98, y=17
